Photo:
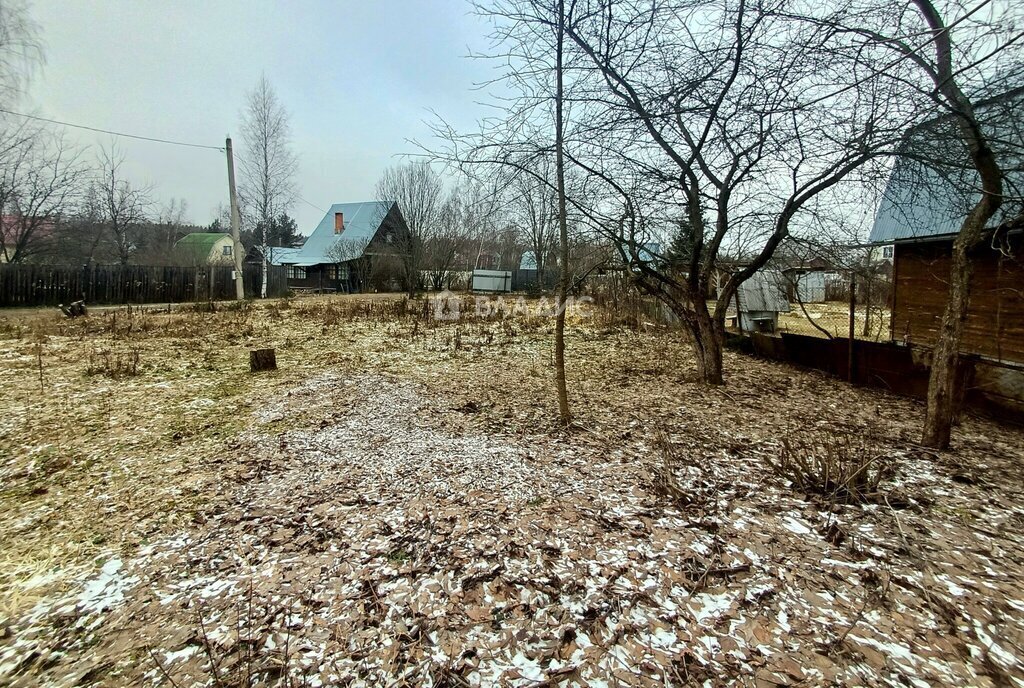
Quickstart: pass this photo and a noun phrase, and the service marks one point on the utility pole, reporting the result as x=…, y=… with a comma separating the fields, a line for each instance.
x=236, y=222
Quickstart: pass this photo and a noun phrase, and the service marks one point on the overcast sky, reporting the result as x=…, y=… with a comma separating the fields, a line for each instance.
x=358, y=77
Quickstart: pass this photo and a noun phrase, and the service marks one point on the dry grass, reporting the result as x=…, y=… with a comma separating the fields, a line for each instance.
x=95, y=464
x=834, y=317
x=105, y=420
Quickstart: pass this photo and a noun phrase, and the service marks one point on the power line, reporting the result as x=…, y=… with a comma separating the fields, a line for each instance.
x=113, y=133
x=316, y=207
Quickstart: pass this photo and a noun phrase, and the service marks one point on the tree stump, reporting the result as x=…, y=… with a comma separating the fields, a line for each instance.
x=73, y=310
x=262, y=359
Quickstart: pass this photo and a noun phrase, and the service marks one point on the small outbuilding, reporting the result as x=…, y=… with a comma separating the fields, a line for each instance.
x=492, y=281
x=204, y=248
x=760, y=300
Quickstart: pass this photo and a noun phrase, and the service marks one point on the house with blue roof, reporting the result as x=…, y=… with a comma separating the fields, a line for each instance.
x=354, y=244
x=932, y=188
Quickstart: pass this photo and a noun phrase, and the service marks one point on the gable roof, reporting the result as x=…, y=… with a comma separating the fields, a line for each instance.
x=362, y=220
x=197, y=245
x=926, y=200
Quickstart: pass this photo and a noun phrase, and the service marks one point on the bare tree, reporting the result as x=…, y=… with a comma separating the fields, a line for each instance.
x=564, y=415
x=537, y=211
x=721, y=112
x=352, y=254
x=21, y=50
x=267, y=164
x=917, y=49
x=124, y=205
x=419, y=193
x=484, y=213
x=38, y=181
x=445, y=241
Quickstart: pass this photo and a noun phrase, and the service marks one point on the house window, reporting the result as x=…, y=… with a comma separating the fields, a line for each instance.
x=226, y=250
x=339, y=222
x=336, y=272
x=887, y=251
x=295, y=272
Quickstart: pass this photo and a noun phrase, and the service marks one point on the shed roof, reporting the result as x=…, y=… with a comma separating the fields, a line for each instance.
x=362, y=220
x=528, y=261
x=763, y=292
x=198, y=245
x=929, y=196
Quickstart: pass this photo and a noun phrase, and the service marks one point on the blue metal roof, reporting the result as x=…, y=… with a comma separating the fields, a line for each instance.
x=528, y=261
x=929, y=200
x=362, y=220
x=282, y=255
x=649, y=252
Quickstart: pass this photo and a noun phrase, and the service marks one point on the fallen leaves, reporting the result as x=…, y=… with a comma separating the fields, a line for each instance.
x=416, y=521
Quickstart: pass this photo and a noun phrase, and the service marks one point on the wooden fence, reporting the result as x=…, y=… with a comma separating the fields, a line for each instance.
x=49, y=285
x=989, y=386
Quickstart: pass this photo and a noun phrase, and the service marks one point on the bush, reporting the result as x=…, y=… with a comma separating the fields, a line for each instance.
x=838, y=467
x=114, y=366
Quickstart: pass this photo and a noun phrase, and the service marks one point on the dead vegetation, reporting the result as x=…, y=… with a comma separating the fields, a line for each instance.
x=653, y=543
x=839, y=467
x=114, y=365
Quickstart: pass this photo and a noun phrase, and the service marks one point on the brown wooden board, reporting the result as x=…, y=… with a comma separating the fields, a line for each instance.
x=995, y=320
x=45, y=285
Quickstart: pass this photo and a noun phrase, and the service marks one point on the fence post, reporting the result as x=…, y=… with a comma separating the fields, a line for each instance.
x=853, y=327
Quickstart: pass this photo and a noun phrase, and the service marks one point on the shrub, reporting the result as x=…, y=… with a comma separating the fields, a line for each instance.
x=837, y=466
x=114, y=366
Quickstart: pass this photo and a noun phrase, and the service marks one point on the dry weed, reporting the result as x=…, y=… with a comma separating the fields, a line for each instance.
x=836, y=466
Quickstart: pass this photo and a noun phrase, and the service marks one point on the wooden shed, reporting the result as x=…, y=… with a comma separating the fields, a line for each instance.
x=926, y=200
x=995, y=319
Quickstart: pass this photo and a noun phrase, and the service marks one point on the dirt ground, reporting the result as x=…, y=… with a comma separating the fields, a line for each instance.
x=396, y=506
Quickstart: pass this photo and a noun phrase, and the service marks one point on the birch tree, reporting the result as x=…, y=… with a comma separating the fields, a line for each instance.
x=21, y=50
x=267, y=164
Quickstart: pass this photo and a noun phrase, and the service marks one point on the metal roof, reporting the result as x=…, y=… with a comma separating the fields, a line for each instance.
x=362, y=220
x=929, y=200
x=528, y=261
x=207, y=239
x=198, y=245
x=763, y=291
x=282, y=255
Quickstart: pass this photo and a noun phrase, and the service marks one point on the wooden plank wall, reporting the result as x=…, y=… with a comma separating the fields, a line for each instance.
x=991, y=387
x=995, y=321
x=48, y=285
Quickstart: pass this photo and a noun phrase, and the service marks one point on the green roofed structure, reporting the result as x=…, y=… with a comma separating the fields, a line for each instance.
x=204, y=248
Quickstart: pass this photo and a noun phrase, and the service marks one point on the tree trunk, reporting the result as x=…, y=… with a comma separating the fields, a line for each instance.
x=263, y=280
x=707, y=339
x=564, y=415
x=942, y=378
x=943, y=375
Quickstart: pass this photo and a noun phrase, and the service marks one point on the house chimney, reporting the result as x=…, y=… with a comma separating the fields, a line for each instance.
x=339, y=222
